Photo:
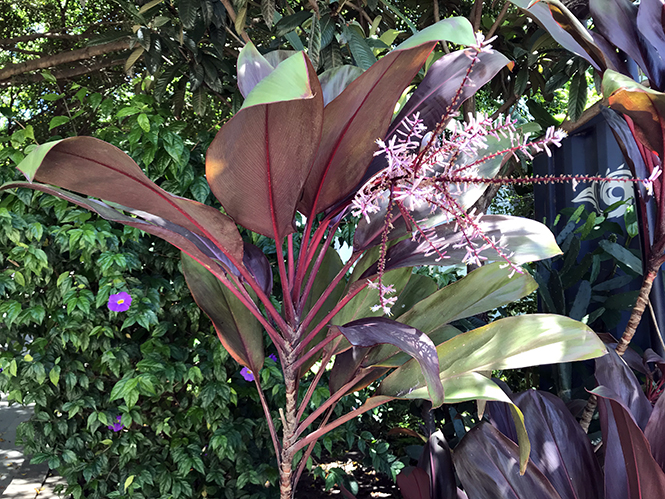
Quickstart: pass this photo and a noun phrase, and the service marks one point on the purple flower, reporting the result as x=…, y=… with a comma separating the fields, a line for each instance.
x=119, y=302
x=247, y=374
x=273, y=357
x=116, y=427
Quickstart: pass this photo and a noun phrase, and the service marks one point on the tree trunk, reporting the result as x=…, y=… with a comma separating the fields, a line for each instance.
x=638, y=310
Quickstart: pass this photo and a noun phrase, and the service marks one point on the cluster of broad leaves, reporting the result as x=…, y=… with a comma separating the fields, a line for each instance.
x=157, y=366
x=263, y=171
x=629, y=465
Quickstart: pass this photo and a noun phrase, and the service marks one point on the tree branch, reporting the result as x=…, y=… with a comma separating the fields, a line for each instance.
x=62, y=58
x=65, y=74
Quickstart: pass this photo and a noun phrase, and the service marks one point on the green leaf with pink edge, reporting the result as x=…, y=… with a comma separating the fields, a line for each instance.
x=237, y=328
x=252, y=68
x=291, y=80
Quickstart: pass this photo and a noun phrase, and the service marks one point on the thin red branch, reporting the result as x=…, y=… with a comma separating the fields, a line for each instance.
x=315, y=381
x=322, y=299
x=271, y=424
x=314, y=436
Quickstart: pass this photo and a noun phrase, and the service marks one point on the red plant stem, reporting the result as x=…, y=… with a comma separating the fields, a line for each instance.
x=332, y=400
x=315, y=435
x=317, y=265
x=289, y=311
x=290, y=257
x=314, y=350
x=306, y=254
x=271, y=425
x=302, y=257
x=315, y=381
x=324, y=296
x=638, y=310
x=308, y=452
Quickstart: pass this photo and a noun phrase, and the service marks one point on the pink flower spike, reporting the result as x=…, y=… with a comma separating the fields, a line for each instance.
x=119, y=302
x=247, y=374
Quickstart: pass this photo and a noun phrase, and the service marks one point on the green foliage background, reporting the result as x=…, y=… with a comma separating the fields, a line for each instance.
x=158, y=366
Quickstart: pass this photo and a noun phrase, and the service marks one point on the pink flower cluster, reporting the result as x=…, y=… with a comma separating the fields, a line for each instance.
x=443, y=172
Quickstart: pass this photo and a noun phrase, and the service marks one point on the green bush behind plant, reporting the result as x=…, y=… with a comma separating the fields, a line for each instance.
x=158, y=366
x=193, y=427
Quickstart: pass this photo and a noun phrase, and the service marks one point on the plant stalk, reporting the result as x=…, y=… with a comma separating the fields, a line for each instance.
x=638, y=310
x=286, y=482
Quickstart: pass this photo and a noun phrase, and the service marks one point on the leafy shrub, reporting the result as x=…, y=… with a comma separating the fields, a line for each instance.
x=156, y=366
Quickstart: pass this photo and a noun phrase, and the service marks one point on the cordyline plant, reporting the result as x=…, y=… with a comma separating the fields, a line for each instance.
x=307, y=143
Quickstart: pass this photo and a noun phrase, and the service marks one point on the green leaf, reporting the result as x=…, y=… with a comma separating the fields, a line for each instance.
x=54, y=375
x=289, y=23
x=362, y=53
x=289, y=81
x=20, y=280
x=314, y=49
x=48, y=76
x=200, y=101
x=509, y=343
x=143, y=122
x=486, y=288
x=129, y=481
x=237, y=328
x=188, y=10
x=147, y=7
x=454, y=29
x=13, y=367
x=268, y=11
x=623, y=256
x=577, y=97
x=56, y=121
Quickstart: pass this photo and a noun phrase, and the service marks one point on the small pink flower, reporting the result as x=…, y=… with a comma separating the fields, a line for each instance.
x=247, y=374
x=119, y=302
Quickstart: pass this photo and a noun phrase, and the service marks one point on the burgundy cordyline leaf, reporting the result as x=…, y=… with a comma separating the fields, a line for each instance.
x=487, y=464
x=650, y=24
x=559, y=446
x=579, y=44
x=447, y=85
x=512, y=234
x=376, y=330
x=258, y=162
x=630, y=470
x=616, y=20
x=613, y=373
x=345, y=367
x=437, y=462
x=352, y=122
x=96, y=168
x=197, y=247
x=413, y=483
x=237, y=328
x=655, y=432
x=335, y=80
